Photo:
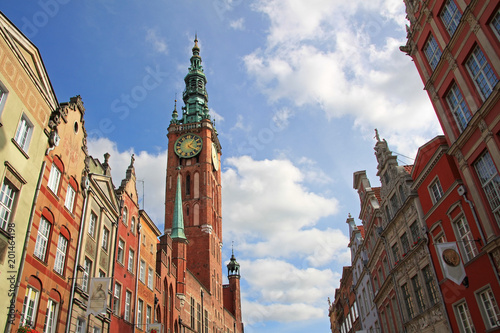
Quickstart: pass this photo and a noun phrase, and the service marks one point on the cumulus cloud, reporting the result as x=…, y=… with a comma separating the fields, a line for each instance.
x=238, y=24
x=345, y=58
x=158, y=43
x=149, y=168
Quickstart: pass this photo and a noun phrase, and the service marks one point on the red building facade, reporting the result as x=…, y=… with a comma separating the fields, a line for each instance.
x=456, y=48
x=44, y=293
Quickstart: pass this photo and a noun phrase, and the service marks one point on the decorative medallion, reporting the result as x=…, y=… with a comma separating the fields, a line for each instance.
x=451, y=257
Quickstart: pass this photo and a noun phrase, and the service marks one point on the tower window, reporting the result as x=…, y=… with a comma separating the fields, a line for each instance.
x=188, y=185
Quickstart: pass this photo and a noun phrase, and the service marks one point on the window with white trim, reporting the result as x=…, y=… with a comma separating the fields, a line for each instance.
x=116, y=299
x=132, y=225
x=489, y=308
x=7, y=196
x=30, y=307
x=466, y=240
x=140, y=312
x=3, y=96
x=87, y=269
x=125, y=216
x=131, y=255
x=42, y=239
x=62, y=245
x=128, y=299
x=80, y=324
x=150, y=278
x=121, y=251
x=92, y=224
x=450, y=15
x=458, y=107
x=24, y=132
x=432, y=52
x=149, y=318
x=105, y=239
x=463, y=318
x=54, y=179
x=490, y=181
x=70, y=198
x=495, y=24
x=50, y=323
x=481, y=72
x=142, y=271
x=436, y=190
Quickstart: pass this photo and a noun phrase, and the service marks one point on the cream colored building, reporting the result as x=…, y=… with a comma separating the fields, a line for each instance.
x=26, y=102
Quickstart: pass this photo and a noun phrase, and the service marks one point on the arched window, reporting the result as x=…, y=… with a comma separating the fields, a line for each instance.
x=56, y=171
x=30, y=304
x=43, y=235
x=188, y=185
x=196, y=185
x=125, y=216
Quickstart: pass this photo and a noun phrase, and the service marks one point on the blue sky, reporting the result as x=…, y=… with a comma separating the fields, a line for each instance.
x=296, y=87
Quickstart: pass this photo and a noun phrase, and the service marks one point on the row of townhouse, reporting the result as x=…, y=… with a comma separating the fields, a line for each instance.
x=78, y=254
x=427, y=255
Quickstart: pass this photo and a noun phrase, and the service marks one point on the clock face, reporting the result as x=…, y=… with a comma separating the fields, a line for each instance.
x=215, y=159
x=188, y=145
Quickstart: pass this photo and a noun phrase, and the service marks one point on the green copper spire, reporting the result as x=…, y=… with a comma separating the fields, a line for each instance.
x=233, y=268
x=178, y=221
x=195, y=96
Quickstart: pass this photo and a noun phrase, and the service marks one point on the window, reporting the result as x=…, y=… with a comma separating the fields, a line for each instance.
x=7, y=196
x=87, y=268
x=116, y=299
x=131, y=255
x=54, y=179
x=70, y=198
x=148, y=315
x=495, y=25
x=150, y=278
x=390, y=320
x=140, y=312
x=432, y=52
x=96, y=329
x=394, y=204
x=408, y=300
x=198, y=321
x=121, y=250
x=206, y=322
x=418, y=293
x=466, y=243
x=62, y=245
x=481, y=72
x=132, y=225
x=458, y=107
x=436, y=191
x=450, y=15
x=23, y=133
x=125, y=216
x=128, y=298
x=105, y=238
x=42, y=239
x=415, y=232
x=30, y=306
x=80, y=324
x=92, y=224
x=402, y=194
x=50, y=323
x=192, y=312
x=3, y=97
x=490, y=181
x=395, y=252
x=102, y=273
x=463, y=318
x=430, y=285
x=142, y=271
x=405, y=243
x=489, y=308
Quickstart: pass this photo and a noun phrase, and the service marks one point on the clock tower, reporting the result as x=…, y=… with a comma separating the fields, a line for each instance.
x=193, y=158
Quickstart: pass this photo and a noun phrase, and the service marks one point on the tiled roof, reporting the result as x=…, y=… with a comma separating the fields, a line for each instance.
x=376, y=190
x=408, y=168
x=361, y=230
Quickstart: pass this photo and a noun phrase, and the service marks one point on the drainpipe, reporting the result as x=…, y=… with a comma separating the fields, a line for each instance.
x=137, y=272
x=202, y=310
x=77, y=257
x=26, y=239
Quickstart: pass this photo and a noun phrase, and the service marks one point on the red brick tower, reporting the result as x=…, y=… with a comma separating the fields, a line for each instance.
x=194, y=154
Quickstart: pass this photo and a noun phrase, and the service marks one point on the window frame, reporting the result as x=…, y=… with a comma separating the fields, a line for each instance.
x=434, y=55
x=121, y=251
x=92, y=224
x=87, y=271
x=8, y=195
x=54, y=179
x=484, y=73
x=61, y=254
x=105, y=239
x=43, y=239
x=494, y=25
x=130, y=266
x=34, y=306
x=24, y=132
x=407, y=298
x=462, y=321
x=458, y=107
x=4, y=93
x=69, y=201
x=487, y=174
x=450, y=25
x=487, y=318
x=128, y=304
x=140, y=313
x=150, y=278
x=142, y=271
x=465, y=238
x=435, y=190
x=51, y=321
x=117, y=293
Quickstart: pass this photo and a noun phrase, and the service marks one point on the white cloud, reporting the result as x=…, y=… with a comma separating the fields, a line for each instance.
x=148, y=167
x=238, y=24
x=158, y=43
x=281, y=117
x=282, y=292
x=343, y=58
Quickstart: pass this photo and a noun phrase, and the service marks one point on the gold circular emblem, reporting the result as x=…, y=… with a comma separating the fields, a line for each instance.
x=188, y=145
x=451, y=257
